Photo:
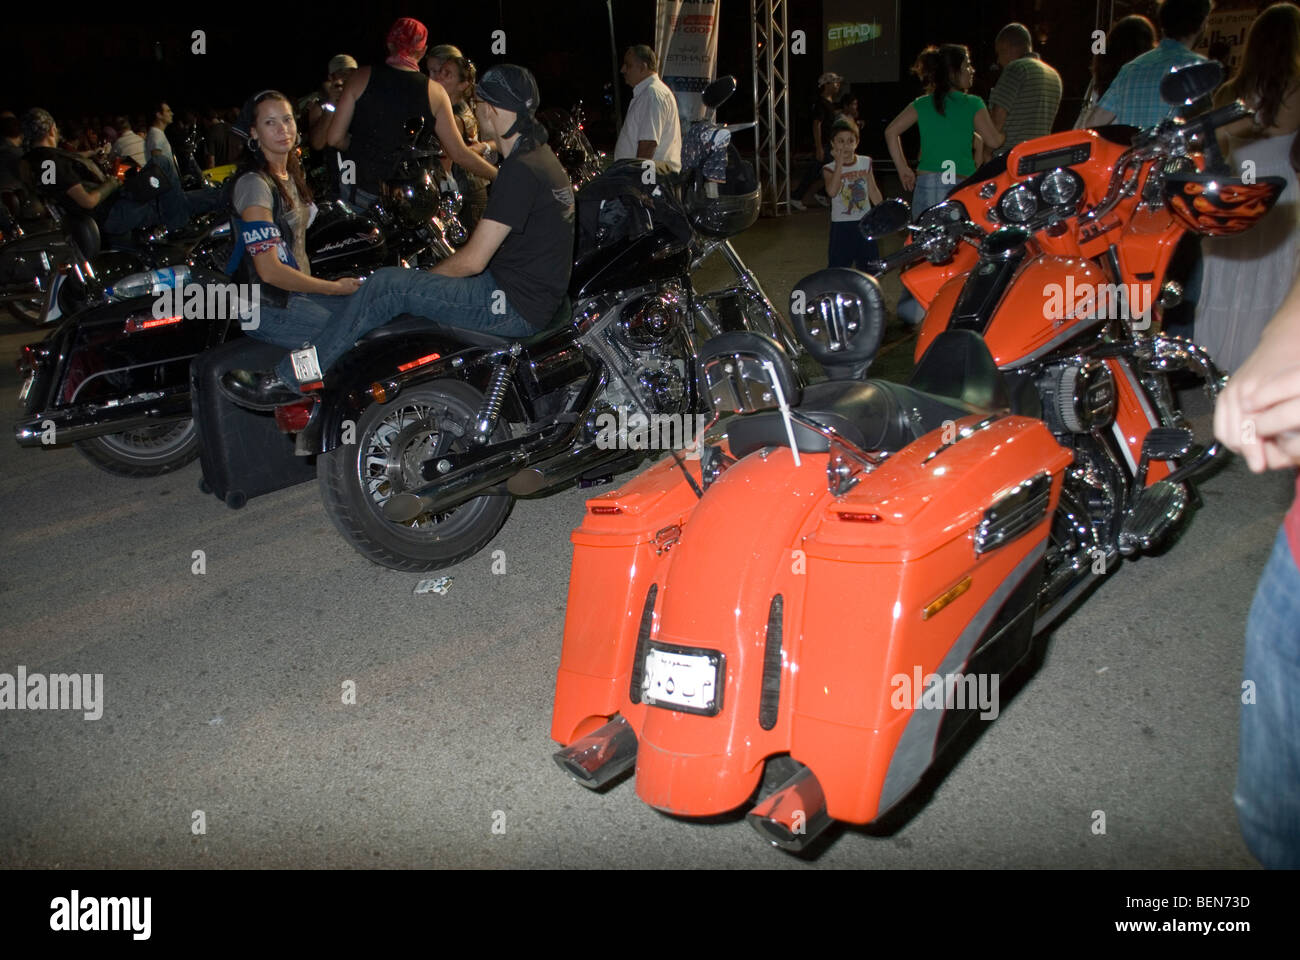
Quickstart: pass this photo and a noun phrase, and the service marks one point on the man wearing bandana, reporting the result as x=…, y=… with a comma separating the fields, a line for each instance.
x=376, y=103
x=508, y=280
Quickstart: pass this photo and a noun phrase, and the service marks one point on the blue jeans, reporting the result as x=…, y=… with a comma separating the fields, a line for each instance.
x=173, y=206
x=930, y=189
x=333, y=324
x=848, y=247
x=1268, y=766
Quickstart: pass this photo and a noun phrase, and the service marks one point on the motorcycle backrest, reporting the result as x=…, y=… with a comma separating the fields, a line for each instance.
x=741, y=372
x=839, y=316
x=80, y=226
x=1183, y=86
x=717, y=93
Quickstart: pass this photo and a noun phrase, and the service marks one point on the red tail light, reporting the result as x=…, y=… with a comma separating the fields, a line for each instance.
x=136, y=324
x=293, y=417
x=602, y=509
x=418, y=363
x=858, y=517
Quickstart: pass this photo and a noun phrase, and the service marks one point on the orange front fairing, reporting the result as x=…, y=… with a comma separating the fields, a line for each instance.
x=848, y=619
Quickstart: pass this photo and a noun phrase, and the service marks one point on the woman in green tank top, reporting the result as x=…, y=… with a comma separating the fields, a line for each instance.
x=950, y=120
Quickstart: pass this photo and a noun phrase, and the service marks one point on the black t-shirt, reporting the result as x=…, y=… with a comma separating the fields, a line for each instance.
x=64, y=171
x=532, y=196
x=824, y=111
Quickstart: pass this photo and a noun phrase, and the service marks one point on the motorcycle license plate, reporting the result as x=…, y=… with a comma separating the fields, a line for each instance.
x=683, y=679
x=26, y=387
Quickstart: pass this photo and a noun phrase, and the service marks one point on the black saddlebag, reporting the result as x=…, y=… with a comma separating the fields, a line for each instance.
x=242, y=452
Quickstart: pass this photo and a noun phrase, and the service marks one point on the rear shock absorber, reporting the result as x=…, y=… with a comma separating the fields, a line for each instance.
x=486, y=420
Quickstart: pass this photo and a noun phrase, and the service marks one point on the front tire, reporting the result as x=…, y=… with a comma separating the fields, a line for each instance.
x=392, y=441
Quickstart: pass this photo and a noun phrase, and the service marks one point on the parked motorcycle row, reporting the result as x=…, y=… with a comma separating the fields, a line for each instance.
x=928, y=528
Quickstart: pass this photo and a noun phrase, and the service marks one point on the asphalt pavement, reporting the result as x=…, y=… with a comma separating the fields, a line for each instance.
x=223, y=690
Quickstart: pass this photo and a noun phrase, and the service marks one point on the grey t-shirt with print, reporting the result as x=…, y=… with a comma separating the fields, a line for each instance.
x=253, y=190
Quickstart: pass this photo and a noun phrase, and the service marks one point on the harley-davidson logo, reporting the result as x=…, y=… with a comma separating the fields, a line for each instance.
x=352, y=241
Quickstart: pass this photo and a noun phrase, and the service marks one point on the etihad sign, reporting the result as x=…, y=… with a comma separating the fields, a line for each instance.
x=840, y=35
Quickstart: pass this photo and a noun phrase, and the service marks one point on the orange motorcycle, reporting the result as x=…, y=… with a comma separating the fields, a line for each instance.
x=836, y=582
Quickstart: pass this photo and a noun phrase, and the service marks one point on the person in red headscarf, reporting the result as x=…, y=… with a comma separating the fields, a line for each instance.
x=370, y=121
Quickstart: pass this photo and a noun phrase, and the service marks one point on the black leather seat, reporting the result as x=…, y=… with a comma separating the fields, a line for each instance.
x=81, y=227
x=409, y=323
x=872, y=415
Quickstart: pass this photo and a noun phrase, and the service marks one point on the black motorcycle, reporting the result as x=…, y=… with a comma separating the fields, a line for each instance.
x=113, y=378
x=427, y=433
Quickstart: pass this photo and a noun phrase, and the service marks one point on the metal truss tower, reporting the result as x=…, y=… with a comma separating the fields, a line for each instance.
x=771, y=104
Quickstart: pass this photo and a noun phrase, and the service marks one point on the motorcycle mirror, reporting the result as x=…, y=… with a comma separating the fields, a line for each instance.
x=716, y=93
x=885, y=218
x=1183, y=86
x=414, y=127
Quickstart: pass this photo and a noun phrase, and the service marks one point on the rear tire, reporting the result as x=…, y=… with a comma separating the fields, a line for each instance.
x=393, y=440
x=146, y=452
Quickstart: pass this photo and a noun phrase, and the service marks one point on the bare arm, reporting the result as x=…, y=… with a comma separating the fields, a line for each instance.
x=90, y=199
x=1099, y=118
x=352, y=90
x=906, y=119
x=271, y=269
x=473, y=258
x=645, y=149
x=318, y=126
x=817, y=140
x=449, y=135
x=992, y=136
x=999, y=116
x=873, y=191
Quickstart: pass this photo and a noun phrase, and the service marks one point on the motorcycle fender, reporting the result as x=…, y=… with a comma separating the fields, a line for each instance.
x=347, y=396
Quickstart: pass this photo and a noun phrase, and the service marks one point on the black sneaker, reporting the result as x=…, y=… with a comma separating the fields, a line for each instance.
x=257, y=389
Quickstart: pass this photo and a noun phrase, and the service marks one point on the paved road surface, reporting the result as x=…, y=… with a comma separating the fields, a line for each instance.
x=223, y=692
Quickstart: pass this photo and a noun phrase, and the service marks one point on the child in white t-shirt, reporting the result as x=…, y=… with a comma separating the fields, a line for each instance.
x=851, y=185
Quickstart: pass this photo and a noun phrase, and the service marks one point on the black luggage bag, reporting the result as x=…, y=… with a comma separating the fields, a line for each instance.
x=242, y=452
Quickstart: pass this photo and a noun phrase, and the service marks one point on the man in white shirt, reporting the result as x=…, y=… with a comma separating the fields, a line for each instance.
x=155, y=141
x=128, y=142
x=652, y=129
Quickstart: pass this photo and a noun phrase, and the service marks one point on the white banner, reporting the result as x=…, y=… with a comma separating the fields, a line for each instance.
x=686, y=40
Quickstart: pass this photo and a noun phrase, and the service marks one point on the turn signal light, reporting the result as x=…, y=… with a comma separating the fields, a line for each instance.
x=293, y=417
x=378, y=393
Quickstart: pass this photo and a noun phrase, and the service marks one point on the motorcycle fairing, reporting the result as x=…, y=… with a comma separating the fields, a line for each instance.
x=851, y=600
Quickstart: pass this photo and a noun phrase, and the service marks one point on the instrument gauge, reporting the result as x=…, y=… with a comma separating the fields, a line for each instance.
x=1061, y=188
x=1018, y=204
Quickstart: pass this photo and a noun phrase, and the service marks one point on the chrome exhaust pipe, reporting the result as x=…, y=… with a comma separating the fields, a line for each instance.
x=600, y=756
x=794, y=816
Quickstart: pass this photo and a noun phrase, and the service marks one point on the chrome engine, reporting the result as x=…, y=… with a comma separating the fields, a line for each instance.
x=646, y=344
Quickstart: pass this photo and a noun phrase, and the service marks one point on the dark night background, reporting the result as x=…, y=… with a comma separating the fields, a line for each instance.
x=77, y=67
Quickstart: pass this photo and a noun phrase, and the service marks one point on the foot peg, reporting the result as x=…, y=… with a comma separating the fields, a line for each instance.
x=1152, y=514
x=600, y=756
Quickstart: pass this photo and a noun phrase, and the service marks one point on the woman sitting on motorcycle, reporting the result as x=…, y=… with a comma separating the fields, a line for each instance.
x=457, y=75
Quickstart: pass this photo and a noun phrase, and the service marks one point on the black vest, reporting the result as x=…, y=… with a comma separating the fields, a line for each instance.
x=378, y=127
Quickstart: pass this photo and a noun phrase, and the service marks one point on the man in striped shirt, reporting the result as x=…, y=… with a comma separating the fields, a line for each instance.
x=1134, y=96
x=1025, y=99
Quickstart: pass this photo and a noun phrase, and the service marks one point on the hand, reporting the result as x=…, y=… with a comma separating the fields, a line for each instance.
x=908, y=177
x=346, y=285
x=1258, y=413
